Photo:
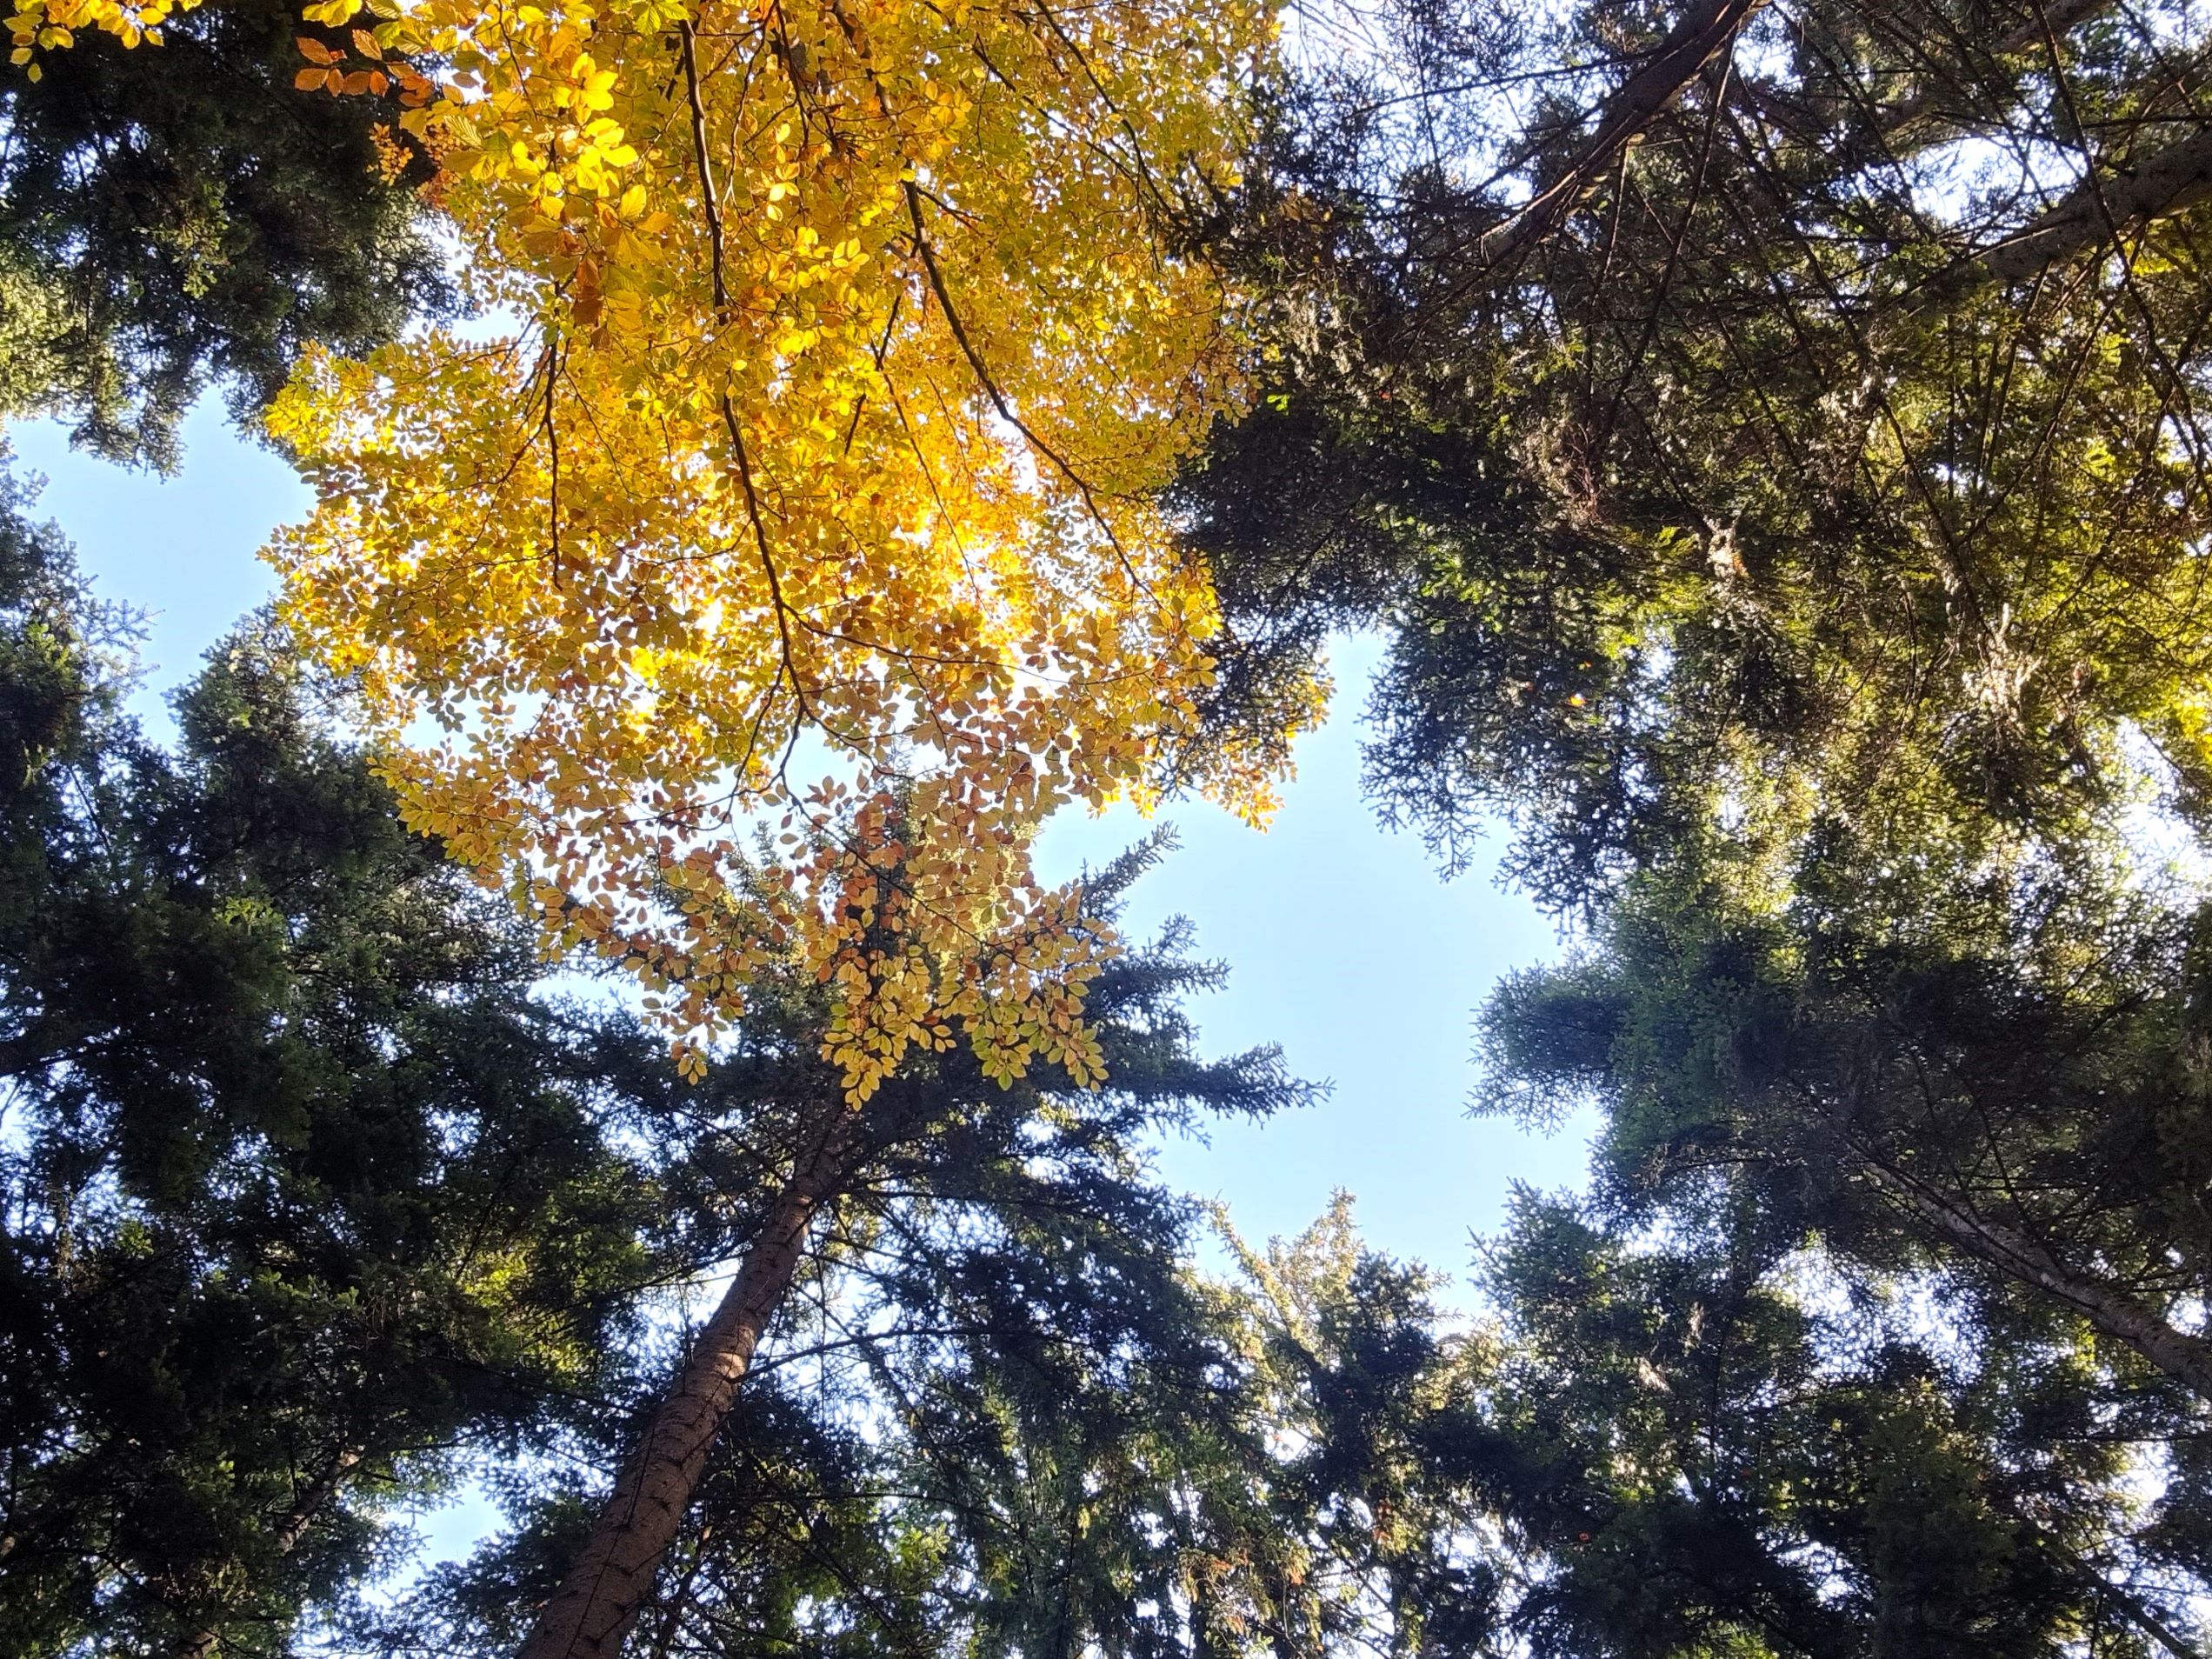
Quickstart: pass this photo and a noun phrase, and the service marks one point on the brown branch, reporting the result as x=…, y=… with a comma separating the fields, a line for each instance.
x=2099, y=210
x=2136, y=1609
x=1898, y=125
x=2186, y=1358
x=1622, y=119
x=553, y=451
x=202, y=1642
x=709, y=200
x=706, y=171
x=990, y=386
x=767, y=559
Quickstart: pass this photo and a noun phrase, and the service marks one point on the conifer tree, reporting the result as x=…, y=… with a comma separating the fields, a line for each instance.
x=174, y=218
x=302, y=1195
x=1353, y=1529
x=966, y=1301
x=312, y=1208
x=1678, y=1440
x=1961, y=1133
x=1708, y=1439
x=1785, y=409
x=1779, y=486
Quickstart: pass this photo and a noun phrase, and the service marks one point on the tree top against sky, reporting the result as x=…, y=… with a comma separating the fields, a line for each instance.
x=813, y=491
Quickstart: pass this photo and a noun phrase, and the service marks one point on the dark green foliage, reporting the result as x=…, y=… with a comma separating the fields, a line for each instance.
x=1754, y=475
x=1681, y=1446
x=300, y=1193
x=1978, y=1137
x=976, y=1420
x=1781, y=489
x=312, y=1209
x=1681, y=1442
x=178, y=213
x=1355, y=1530
x=2048, y=1081
x=1689, y=1459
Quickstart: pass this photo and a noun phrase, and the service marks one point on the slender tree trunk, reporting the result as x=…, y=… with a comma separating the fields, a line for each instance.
x=1707, y=29
x=2137, y=1610
x=591, y=1612
x=2185, y=1358
x=199, y=1644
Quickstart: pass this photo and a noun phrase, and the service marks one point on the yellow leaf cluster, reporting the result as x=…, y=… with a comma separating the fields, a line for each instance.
x=46, y=24
x=796, y=552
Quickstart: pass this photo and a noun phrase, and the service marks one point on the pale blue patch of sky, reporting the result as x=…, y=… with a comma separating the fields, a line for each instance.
x=1344, y=946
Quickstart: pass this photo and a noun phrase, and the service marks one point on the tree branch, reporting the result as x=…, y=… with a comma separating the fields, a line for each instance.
x=1622, y=119
x=2176, y=177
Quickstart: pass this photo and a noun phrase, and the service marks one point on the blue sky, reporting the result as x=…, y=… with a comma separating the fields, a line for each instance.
x=1344, y=946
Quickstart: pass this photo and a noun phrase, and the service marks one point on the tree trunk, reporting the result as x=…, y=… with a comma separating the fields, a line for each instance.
x=2100, y=209
x=199, y=1644
x=2185, y=1358
x=591, y=1612
x=2133, y=1607
x=1709, y=30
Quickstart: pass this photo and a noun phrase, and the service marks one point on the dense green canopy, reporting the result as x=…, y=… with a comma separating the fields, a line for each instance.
x=977, y=1416
x=183, y=215
x=1783, y=410
x=302, y=1189
x=1973, y=1155
x=314, y=1207
x=1765, y=437
x=1764, y=432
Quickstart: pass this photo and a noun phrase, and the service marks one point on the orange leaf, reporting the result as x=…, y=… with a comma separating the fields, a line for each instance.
x=314, y=52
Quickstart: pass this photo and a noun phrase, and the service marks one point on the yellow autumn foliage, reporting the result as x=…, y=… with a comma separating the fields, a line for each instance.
x=795, y=551
x=44, y=25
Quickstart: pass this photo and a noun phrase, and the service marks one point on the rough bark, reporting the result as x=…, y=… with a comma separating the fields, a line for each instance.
x=2186, y=1358
x=607, y=1583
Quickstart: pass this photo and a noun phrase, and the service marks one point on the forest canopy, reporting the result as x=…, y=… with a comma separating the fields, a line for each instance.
x=571, y=1018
